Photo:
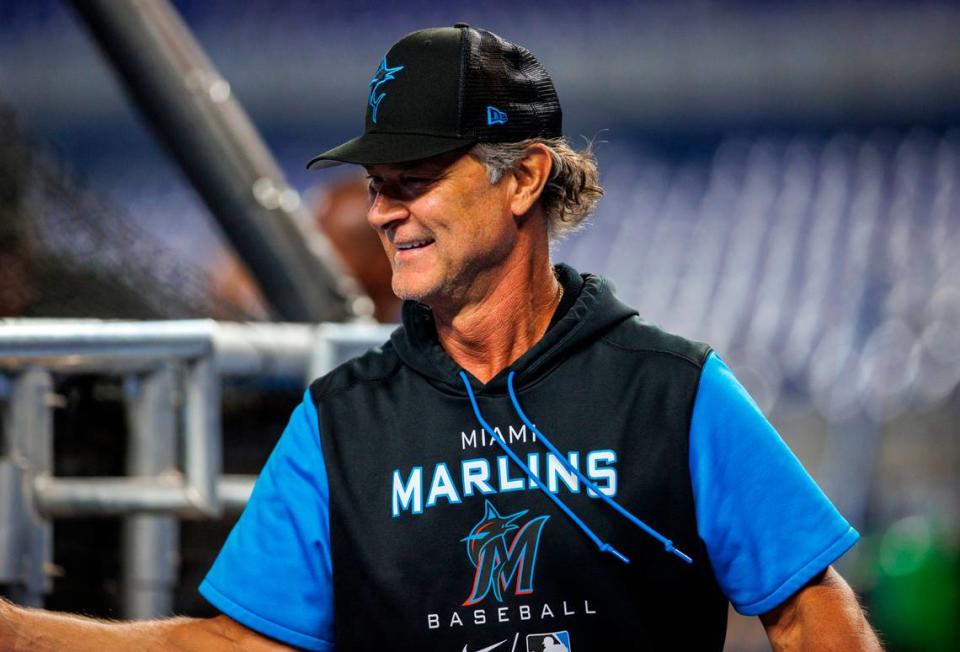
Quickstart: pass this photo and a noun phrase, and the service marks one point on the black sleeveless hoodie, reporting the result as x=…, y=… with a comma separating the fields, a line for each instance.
x=440, y=540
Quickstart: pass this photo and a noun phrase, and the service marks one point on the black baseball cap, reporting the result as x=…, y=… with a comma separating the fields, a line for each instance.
x=441, y=89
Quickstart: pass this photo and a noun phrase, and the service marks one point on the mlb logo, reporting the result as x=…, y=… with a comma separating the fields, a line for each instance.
x=549, y=642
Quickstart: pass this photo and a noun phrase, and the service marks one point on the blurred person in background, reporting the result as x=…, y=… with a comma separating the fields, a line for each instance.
x=339, y=209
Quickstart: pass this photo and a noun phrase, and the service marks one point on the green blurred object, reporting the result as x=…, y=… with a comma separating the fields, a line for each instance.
x=916, y=601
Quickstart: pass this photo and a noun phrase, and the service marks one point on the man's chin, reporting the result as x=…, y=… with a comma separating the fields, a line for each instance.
x=411, y=291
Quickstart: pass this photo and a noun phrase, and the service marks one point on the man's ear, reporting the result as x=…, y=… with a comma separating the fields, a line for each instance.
x=531, y=174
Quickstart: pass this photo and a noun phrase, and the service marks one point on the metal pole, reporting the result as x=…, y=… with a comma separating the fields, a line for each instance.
x=203, y=455
x=151, y=543
x=116, y=496
x=120, y=496
x=234, y=492
x=67, y=343
x=192, y=494
x=29, y=429
x=13, y=522
x=265, y=350
x=191, y=108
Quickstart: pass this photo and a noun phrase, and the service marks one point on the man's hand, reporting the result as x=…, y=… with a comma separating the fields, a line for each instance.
x=823, y=615
x=39, y=631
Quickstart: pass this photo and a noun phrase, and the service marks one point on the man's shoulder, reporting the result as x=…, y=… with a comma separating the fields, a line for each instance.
x=374, y=365
x=643, y=337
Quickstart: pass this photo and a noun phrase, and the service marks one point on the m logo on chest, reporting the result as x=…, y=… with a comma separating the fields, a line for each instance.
x=503, y=552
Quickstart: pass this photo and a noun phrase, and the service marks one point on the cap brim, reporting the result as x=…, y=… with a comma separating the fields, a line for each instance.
x=383, y=149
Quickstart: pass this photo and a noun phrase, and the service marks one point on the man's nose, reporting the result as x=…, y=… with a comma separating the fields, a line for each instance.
x=385, y=210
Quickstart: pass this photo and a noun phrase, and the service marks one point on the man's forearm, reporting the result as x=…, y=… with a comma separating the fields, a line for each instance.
x=824, y=615
x=35, y=630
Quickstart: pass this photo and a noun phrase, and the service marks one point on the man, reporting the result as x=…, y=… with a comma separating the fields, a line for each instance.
x=526, y=462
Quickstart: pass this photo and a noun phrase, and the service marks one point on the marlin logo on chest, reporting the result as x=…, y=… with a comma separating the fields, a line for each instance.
x=502, y=552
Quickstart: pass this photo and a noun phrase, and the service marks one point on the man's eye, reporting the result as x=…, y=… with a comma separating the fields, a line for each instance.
x=403, y=187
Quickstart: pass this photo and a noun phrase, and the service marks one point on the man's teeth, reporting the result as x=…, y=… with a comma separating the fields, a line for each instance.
x=413, y=245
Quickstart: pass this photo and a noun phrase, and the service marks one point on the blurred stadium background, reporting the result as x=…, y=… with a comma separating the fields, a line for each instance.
x=782, y=181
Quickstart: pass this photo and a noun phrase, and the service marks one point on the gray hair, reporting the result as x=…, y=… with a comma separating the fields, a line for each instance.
x=573, y=189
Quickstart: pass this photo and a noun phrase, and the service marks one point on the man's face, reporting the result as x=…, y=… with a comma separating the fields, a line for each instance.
x=442, y=224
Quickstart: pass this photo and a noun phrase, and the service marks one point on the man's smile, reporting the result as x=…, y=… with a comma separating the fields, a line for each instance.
x=413, y=244
x=411, y=250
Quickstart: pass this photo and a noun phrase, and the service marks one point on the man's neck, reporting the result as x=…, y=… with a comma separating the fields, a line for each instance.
x=486, y=335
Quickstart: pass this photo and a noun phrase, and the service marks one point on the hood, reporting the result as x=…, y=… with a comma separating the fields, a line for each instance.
x=595, y=311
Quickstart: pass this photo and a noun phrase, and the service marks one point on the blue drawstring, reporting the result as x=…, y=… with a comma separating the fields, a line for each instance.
x=604, y=547
x=667, y=543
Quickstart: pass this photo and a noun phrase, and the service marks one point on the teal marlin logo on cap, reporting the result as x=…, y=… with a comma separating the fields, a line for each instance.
x=384, y=74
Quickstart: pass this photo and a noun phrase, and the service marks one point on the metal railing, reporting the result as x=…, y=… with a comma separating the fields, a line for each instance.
x=158, y=362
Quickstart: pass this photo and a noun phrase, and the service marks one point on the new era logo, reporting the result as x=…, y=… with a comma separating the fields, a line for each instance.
x=495, y=116
x=549, y=642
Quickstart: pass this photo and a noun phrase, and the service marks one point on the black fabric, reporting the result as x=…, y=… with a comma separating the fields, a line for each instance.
x=423, y=99
x=600, y=383
x=508, y=77
x=435, y=91
x=378, y=148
